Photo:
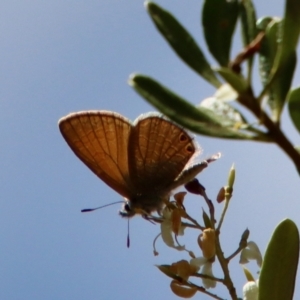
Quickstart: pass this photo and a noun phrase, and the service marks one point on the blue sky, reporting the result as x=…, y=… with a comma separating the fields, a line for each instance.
x=64, y=56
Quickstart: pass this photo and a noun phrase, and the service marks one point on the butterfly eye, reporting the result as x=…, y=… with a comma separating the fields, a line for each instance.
x=127, y=207
x=126, y=210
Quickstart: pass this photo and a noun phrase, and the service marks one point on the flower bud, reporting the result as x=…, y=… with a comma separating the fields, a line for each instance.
x=195, y=187
x=176, y=220
x=183, y=269
x=221, y=195
x=244, y=238
x=207, y=243
x=179, y=197
x=250, y=290
x=231, y=176
x=182, y=291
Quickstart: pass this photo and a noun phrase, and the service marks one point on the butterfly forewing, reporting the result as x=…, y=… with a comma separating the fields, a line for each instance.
x=100, y=140
x=159, y=152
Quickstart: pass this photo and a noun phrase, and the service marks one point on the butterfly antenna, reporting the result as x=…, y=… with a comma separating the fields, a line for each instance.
x=128, y=236
x=92, y=209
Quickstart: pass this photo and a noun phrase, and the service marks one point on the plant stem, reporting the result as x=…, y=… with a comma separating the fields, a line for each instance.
x=274, y=130
x=224, y=265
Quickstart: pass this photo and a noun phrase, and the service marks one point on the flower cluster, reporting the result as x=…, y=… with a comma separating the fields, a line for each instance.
x=174, y=220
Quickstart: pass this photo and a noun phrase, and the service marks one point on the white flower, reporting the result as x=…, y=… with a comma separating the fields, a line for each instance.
x=206, y=270
x=250, y=290
x=251, y=252
x=198, y=262
x=167, y=232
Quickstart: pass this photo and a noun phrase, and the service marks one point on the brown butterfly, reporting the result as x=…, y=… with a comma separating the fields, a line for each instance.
x=143, y=161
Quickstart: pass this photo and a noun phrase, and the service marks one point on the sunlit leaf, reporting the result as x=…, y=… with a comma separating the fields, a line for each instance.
x=226, y=93
x=196, y=119
x=228, y=115
x=181, y=42
x=286, y=58
x=278, y=273
x=280, y=48
x=267, y=52
x=269, y=47
x=285, y=69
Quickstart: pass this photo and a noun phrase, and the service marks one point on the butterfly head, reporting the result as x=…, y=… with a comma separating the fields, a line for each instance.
x=143, y=205
x=130, y=209
x=127, y=211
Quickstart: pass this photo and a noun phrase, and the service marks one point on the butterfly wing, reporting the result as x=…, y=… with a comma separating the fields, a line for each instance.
x=100, y=140
x=158, y=152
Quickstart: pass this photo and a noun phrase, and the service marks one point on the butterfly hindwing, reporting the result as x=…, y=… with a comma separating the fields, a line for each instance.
x=158, y=152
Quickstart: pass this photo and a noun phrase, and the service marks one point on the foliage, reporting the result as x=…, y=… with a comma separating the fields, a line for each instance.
x=265, y=38
x=274, y=42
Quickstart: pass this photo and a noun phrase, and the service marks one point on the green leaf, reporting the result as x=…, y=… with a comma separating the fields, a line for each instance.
x=199, y=120
x=278, y=76
x=181, y=42
x=294, y=106
x=206, y=219
x=219, y=20
x=266, y=56
x=286, y=37
x=262, y=23
x=291, y=29
x=286, y=57
x=237, y=82
x=278, y=273
x=269, y=47
x=248, y=21
x=249, y=29
x=282, y=83
x=165, y=100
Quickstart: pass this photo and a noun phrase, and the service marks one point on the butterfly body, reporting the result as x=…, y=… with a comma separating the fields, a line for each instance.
x=143, y=161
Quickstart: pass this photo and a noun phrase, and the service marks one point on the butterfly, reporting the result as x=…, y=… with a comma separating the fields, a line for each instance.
x=143, y=161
